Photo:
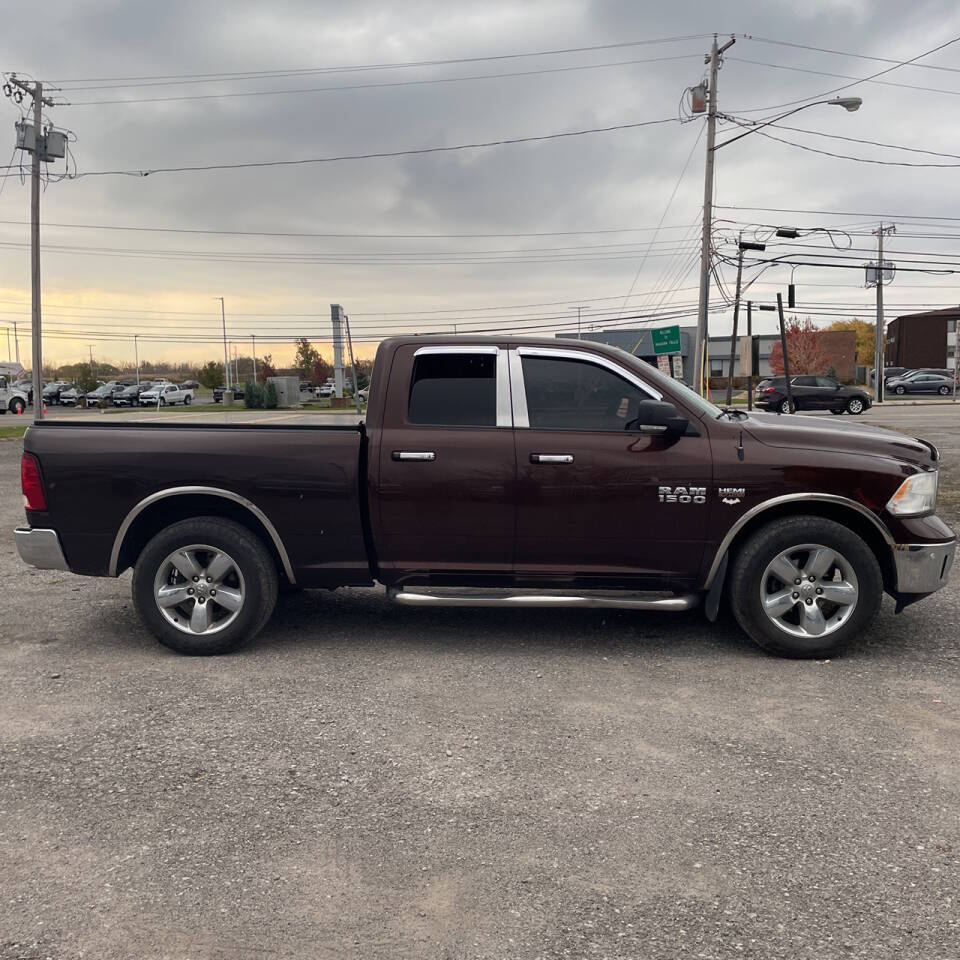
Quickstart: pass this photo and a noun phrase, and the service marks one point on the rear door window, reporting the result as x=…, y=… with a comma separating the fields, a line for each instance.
x=454, y=390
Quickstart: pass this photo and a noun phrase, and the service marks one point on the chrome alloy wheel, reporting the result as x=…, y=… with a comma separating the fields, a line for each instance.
x=809, y=590
x=199, y=589
x=855, y=405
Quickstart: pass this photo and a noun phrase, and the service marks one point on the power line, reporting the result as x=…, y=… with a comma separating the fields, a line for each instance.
x=839, y=213
x=203, y=77
x=846, y=86
x=342, y=88
x=842, y=156
x=371, y=156
x=344, y=236
x=843, y=53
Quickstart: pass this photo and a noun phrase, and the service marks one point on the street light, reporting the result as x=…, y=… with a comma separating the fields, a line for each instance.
x=742, y=245
x=850, y=104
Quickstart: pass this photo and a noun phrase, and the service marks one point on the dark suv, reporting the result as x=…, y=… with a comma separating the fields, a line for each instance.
x=811, y=393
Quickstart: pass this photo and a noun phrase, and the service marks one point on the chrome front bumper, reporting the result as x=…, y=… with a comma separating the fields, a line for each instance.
x=40, y=548
x=923, y=567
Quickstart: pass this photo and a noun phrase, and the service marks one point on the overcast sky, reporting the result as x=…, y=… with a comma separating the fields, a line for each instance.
x=617, y=181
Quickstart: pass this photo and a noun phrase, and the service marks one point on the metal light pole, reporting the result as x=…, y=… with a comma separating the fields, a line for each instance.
x=848, y=103
x=8, y=345
x=136, y=356
x=36, y=341
x=253, y=340
x=579, y=308
x=16, y=340
x=750, y=336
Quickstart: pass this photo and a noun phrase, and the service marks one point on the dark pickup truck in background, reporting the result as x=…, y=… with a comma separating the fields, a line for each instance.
x=492, y=471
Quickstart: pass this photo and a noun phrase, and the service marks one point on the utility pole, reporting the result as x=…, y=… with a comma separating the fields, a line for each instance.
x=8, y=345
x=353, y=366
x=713, y=59
x=226, y=359
x=750, y=337
x=336, y=321
x=253, y=339
x=136, y=357
x=786, y=359
x=16, y=340
x=741, y=246
x=90, y=348
x=880, y=333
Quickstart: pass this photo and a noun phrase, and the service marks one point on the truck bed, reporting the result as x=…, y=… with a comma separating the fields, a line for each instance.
x=303, y=483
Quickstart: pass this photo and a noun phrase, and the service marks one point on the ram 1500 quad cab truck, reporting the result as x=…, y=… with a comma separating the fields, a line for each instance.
x=498, y=471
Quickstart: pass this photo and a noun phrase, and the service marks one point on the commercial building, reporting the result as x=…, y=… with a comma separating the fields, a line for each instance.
x=923, y=339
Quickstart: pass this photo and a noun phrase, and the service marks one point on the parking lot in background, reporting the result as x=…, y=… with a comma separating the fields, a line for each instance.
x=473, y=783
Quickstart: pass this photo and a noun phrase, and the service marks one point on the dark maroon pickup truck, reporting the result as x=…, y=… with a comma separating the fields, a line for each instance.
x=492, y=471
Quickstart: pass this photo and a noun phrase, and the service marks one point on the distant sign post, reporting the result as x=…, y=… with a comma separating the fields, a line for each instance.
x=666, y=339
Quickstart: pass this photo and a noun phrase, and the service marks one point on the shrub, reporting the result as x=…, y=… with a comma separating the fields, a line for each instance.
x=270, y=397
x=253, y=396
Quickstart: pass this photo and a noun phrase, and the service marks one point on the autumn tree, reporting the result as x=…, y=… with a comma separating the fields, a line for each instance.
x=805, y=349
x=866, y=337
x=321, y=370
x=265, y=368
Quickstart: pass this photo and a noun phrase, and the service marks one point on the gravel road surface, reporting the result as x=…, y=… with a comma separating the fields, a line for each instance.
x=371, y=781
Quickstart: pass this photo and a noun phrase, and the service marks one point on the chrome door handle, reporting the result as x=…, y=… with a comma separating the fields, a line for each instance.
x=551, y=458
x=425, y=455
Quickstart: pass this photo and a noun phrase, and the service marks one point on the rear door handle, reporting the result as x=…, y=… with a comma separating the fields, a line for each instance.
x=423, y=455
x=551, y=458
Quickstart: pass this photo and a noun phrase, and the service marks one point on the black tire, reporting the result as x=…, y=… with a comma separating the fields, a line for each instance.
x=17, y=406
x=855, y=406
x=944, y=390
x=784, y=406
x=250, y=555
x=187, y=400
x=163, y=401
x=900, y=391
x=750, y=563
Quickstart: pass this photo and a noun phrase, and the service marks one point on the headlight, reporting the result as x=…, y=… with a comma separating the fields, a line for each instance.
x=916, y=495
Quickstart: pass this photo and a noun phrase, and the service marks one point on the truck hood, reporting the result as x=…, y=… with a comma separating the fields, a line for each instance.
x=822, y=433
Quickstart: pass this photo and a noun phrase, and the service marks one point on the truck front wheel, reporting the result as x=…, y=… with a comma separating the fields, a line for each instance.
x=805, y=587
x=204, y=586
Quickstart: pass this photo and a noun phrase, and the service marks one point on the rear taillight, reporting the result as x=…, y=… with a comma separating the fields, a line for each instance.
x=31, y=483
x=766, y=389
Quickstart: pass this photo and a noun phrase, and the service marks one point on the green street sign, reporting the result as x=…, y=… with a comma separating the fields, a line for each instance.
x=666, y=339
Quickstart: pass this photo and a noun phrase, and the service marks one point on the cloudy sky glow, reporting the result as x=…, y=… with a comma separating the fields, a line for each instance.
x=590, y=205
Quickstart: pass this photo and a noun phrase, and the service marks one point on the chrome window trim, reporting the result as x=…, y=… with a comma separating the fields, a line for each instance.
x=503, y=414
x=456, y=348
x=586, y=357
x=521, y=417
x=793, y=498
x=518, y=392
x=205, y=491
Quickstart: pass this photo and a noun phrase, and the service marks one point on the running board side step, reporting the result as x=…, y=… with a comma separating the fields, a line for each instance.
x=668, y=603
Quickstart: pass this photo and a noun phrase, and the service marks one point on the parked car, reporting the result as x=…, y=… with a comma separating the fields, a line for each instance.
x=52, y=391
x=922, y=383
x=105, y=393
x=166, y=394
x=363, y=393
x=130, y=396
x=326, y=390
x=11, y=398
x=500, y=463
x=811, y=393
x=69, y=397
x=219, y=391
x=191, y=384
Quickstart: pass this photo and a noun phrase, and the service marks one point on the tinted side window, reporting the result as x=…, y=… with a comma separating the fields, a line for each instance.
x=827, y=382
x=804, y=381
x=576, y=395
x=454, y=390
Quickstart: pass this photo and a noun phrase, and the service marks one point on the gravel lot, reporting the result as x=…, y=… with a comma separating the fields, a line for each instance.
x=380, y=782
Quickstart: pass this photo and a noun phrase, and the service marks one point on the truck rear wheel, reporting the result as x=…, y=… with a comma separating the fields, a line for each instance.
x=204, y=586
x=805, y=587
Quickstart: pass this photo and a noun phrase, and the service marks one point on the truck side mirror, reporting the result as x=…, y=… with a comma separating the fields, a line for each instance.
x=658, y=416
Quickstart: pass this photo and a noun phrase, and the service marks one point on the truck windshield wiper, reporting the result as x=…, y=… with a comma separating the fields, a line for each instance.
x=733, y=413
